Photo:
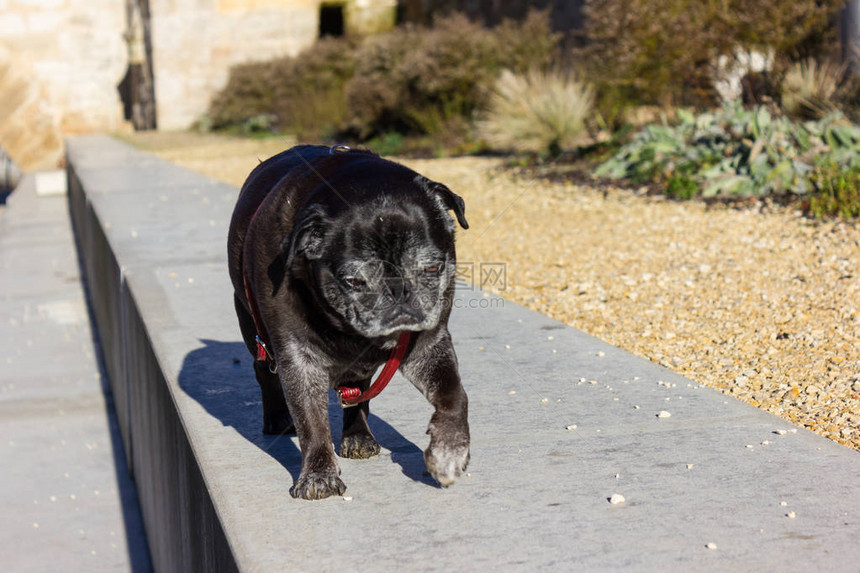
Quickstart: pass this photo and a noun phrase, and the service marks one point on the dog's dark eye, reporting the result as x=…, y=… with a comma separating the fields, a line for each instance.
x=433, y=269
x=354, y=282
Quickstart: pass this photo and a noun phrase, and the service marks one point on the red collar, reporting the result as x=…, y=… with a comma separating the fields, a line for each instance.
x=351, y=396
x=348, y=396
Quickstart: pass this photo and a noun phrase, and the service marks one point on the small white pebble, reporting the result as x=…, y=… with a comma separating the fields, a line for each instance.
x=783, y=503
x=793, y=431
x=581, y=380
x=615, y=399
x=544, y=399
x=512, y=392
x=663, y=414
x=570, y=427
x=480, y=348
x=617, y=476
x=550, y=337
x=765, y=443
x=749, y=446
x=507, y=346
x=780, y=432
x=554, y=351
x=710, y=545
x=616, y=498
x=689, y=466
x=347, y=498
x=592, y=382
x=791, y=515
x=601, y=354
x=35, y=526
x=636, y=407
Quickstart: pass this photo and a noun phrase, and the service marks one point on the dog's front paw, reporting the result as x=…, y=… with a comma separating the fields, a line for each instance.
x=318, y=485
x=358, y=446
x=446, y=463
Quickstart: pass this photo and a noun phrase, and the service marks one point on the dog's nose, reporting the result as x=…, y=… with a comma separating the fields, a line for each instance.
x=404, y=315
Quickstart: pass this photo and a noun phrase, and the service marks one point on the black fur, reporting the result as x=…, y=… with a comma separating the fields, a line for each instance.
x=346, y=251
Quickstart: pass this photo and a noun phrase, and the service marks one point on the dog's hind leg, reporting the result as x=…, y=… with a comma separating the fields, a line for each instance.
x=276, y=415
x=357, y=441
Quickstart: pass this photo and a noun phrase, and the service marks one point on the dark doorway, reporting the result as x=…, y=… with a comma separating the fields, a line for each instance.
x=331, y=20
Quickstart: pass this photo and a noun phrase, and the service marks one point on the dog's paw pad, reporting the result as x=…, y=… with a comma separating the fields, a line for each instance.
x=318, y=485
x=446, y=464
x=358, y=446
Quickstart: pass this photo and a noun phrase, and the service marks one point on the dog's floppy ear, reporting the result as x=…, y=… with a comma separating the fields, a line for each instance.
x=449, y=199
x=306, y=238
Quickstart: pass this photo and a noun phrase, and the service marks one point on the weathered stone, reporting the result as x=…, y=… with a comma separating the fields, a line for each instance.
x=29, y=131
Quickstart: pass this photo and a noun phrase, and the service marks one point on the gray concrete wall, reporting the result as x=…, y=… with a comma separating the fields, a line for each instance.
x=560, y=422
x=183, y=528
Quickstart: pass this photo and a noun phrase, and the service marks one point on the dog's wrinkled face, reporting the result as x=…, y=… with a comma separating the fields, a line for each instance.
x=384, y=266
x=389, y=275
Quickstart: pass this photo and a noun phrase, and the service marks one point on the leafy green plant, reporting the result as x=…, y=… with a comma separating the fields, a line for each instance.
x=537, y=112
x=390, y=143
x=681, y=186
x=837, y=191
x=735, y=153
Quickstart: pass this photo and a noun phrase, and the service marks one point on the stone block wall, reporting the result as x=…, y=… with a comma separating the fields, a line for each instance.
x=59, y=65
x=193, y=49
x=62, y=60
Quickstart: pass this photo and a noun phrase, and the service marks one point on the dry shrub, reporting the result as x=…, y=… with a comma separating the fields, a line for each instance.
x=411, y=80
x=664, y=51
x=809, y=88
x=432, y=81
x=250, y=92
x=302, y=95
x=537, y=112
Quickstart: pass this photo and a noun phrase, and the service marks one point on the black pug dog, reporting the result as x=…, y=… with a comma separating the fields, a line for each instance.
x=334, y=255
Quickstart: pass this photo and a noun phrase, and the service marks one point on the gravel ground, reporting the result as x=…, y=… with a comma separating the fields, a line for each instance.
x=759, y=304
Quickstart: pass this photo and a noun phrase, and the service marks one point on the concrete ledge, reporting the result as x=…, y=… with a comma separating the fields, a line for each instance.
x=560, y=422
